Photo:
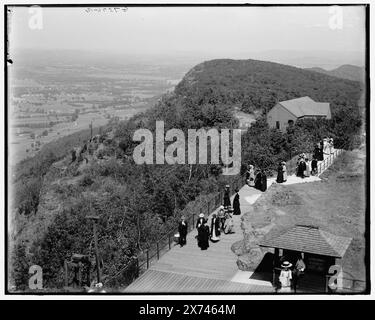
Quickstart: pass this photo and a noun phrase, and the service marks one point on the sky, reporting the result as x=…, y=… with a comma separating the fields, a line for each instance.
x=215, y=31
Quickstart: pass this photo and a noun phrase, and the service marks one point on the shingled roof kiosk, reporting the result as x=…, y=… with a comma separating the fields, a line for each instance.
x=319, y=249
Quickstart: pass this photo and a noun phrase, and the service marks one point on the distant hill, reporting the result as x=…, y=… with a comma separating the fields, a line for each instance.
x=346, y=71
x=256, y=85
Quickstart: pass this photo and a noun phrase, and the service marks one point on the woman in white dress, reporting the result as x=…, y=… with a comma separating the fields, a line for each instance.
x=308, y=168
x=285, y=277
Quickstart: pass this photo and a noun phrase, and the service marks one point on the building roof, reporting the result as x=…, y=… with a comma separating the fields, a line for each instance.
x=309, y=239
x=305, y=106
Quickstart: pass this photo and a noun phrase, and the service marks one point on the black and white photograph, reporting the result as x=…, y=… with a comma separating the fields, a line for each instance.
x=187, y=149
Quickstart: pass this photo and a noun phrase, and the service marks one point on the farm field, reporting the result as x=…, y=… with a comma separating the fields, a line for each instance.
x=53, y=100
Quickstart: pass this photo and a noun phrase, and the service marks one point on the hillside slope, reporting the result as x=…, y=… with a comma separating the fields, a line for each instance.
x=258, y=84
x=345, y=71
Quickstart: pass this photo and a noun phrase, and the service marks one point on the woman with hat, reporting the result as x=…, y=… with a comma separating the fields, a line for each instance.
x=221, y=216
x=280, y=174
x=200, y=220
x=285, y=277
x=227, y=202
x=182, y=230
x=203, y=236
x=215, y=228
x=285, y=174
x=250, y=176
x=236, y=203
x=263, y=181
x=301, y=168
x=229, y=225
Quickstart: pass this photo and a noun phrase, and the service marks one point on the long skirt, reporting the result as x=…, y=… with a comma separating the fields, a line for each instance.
x=236, y=207
x=215, y=237
x=285, y=176
x=280, y=176
x=203, y=237
x=227, y=202
x=263, y=185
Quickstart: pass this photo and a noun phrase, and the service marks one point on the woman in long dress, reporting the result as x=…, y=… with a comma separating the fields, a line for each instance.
x=215, y=228
x=326, y=150
x=301, y=168
x=258, y=181
x=263, y=181
x=308, y=168
x=285, y=277
x=330, y=143
x=314, y=167
x=250, y=176
x=236, y=204
x=285, y=174
x=203, y=236
x=227, y=202
x=280, y=175
x=229, y=224
x=221, y=216
x=321, y=154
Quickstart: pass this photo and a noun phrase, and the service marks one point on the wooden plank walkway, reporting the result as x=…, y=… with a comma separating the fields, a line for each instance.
x=214, y=267
x=153, y=281
x=191, y=270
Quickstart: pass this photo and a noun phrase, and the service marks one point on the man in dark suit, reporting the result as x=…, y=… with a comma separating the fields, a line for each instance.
x=182, y=230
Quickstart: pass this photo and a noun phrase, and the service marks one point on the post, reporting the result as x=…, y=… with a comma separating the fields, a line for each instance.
x=137, y=266
x=147, y=263
x=157, y=250
x=169, y=241
x=66, y=273
x=79, y=274
x=96, y=252
x=95, y=220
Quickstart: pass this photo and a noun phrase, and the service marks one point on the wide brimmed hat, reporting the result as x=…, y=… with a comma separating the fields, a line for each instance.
x=221, y=207
x=227, y=186
x=286, y=264
x=201, y=215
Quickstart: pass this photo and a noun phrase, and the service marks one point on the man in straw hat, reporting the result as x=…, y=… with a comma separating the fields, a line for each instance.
x=285, y=277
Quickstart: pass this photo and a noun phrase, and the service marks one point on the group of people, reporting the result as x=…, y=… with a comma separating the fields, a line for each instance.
x=290, y=276
x=324, y=147
x=304, y=166
x=222, y=222
x=256, y=179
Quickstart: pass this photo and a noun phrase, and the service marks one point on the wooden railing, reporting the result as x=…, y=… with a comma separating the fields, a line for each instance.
x=323, y=165
x=140, y=263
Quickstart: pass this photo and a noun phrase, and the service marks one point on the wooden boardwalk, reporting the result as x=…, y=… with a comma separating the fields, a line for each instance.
x=192, y=270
